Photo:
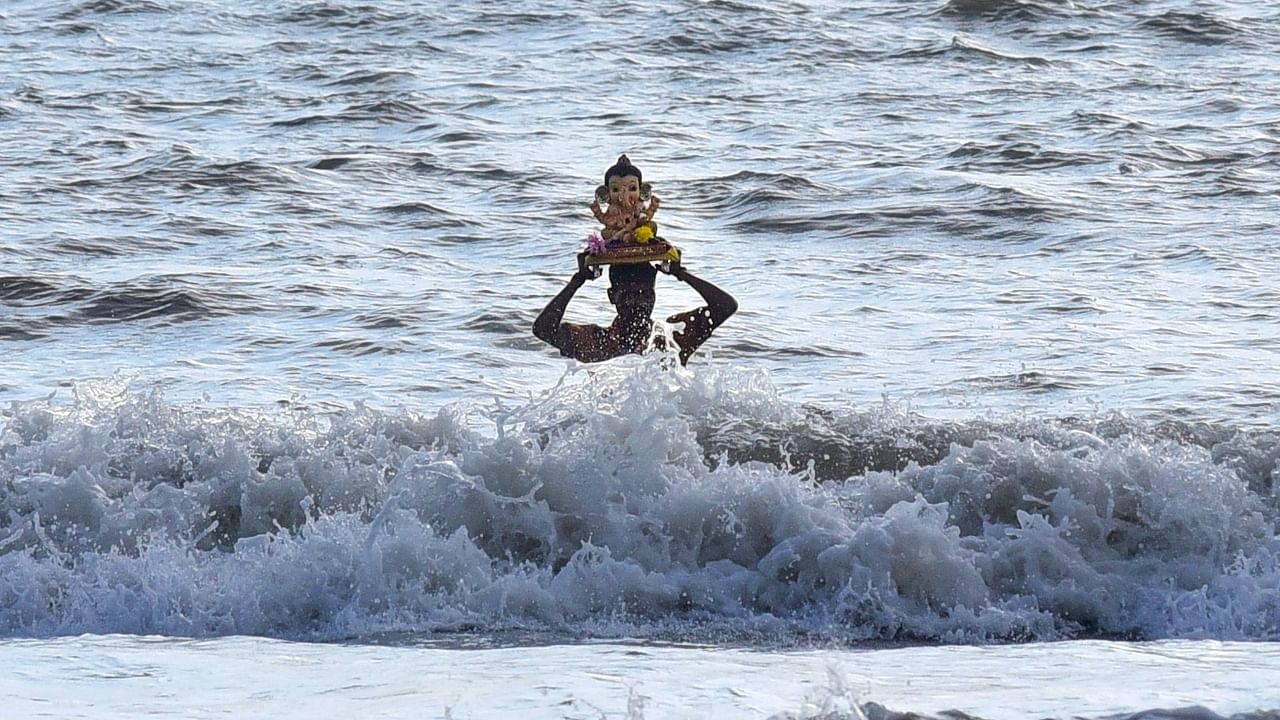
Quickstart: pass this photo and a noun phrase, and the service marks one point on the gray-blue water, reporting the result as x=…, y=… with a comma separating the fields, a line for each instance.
x=1003, y=368
x=1003, y=204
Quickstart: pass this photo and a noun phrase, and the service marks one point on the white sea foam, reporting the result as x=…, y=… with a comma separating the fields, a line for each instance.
x=611, y=506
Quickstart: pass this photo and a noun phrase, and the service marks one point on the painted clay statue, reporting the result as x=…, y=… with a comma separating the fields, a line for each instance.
x=628, y=218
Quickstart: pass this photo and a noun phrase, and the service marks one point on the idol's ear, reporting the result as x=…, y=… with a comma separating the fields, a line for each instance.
x=602, y=193
x=646, y=189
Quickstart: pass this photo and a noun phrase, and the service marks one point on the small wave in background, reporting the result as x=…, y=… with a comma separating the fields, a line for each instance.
x=973, y=206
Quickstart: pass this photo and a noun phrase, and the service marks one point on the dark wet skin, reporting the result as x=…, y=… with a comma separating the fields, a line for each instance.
x=631, y=328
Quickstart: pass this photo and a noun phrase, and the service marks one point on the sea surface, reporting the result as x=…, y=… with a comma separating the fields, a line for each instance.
x=995, y=431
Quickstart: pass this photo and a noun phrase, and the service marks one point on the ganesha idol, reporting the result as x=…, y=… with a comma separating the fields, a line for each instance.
x=629, y=233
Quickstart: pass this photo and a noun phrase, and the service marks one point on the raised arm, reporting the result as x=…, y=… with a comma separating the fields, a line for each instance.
x=549, y=325
x=601, y=217
x=700, y=323
x=654, y=202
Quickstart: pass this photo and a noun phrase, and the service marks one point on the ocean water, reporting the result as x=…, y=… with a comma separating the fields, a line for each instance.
x=994, y=431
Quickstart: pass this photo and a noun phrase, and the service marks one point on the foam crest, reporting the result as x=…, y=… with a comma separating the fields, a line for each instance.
x=626, y=501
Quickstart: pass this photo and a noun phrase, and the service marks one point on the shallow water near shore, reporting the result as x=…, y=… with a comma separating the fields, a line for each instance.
x=999, y=406
x=121, y=677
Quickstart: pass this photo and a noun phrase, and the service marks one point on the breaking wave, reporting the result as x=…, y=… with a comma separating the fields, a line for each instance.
x=637, y=499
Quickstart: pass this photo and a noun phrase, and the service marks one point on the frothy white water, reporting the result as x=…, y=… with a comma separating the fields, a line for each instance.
x=626, y=501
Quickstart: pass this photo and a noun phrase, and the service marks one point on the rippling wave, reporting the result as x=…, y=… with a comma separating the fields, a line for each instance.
x=325, y=198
